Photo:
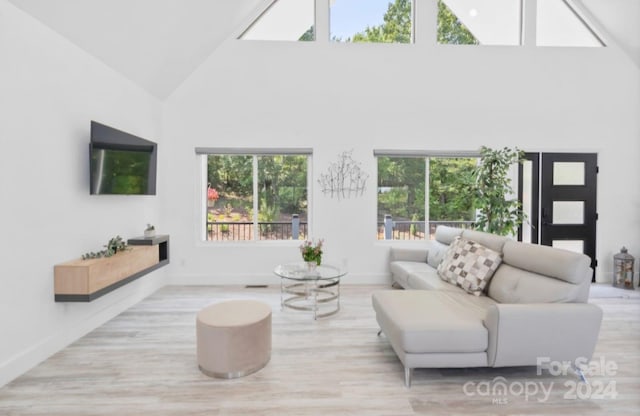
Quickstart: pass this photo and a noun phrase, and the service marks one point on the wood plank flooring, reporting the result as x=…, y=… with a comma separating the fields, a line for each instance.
x=143, y=363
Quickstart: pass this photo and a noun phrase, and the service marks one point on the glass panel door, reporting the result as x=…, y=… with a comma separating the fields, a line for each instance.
x=568, y=202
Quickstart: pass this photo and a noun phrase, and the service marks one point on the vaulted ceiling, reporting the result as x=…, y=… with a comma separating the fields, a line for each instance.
x=159, y=43
x=155, y=43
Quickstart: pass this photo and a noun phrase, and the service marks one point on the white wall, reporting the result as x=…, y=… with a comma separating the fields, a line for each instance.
x=337, y=97
x=332, y=97
x=49, y=92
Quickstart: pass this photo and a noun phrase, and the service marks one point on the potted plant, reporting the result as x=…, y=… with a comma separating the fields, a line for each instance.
x=312, y=253
x=497, y=213
x=150, y=231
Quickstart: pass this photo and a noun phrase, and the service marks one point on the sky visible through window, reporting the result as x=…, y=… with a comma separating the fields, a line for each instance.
x=348, y=17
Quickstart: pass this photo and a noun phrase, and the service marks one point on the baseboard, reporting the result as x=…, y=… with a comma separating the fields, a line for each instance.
x=270, y=279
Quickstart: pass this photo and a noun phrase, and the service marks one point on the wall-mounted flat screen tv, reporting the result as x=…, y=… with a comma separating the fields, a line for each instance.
x=121, y=163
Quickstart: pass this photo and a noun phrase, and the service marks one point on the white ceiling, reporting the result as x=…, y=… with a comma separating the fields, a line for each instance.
x=155, y=43
x=159, y=43
x=621, y=20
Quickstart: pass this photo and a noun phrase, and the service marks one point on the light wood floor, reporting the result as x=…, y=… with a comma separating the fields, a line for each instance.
x=143, y=363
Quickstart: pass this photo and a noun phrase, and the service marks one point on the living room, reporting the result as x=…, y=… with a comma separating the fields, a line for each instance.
x=324, y=96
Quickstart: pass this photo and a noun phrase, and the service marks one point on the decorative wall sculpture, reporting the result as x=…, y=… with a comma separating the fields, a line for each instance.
x=344, y=178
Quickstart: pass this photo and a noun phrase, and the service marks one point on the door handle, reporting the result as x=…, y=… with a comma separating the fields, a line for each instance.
x=544, y=217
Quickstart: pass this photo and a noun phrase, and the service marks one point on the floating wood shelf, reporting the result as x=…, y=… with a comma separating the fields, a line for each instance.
x=85, y=280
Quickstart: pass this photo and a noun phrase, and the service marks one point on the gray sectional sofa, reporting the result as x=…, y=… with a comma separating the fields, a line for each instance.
x=534, y=307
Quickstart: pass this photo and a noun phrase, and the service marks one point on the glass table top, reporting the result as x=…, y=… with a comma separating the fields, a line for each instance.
x=301, y=271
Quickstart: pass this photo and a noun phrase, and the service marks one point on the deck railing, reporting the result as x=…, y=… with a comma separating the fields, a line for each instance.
x=244, y=231
x=414, y=230
x=297, y=230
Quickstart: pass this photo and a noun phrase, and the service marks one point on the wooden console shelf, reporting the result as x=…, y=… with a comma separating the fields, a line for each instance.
x=85, y=280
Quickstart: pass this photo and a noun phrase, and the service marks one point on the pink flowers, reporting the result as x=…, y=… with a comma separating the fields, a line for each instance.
x=311, y=252
x=212, y=194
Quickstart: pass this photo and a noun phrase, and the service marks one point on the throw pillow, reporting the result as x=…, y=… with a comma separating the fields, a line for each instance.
x=469, y=265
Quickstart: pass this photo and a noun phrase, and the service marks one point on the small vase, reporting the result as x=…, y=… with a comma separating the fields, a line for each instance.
x=312, y=265
x=211, y=203
x=149, y=233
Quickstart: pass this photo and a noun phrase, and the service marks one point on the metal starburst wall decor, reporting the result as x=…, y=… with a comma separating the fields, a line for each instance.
x=344, y=178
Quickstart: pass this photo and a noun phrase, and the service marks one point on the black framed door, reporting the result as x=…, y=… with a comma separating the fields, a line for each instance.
x=558, y=195
x=529, y=197
x=568, y=190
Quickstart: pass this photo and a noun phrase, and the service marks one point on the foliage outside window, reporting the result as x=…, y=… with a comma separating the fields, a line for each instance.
x=259, y=197
x=451, y=30
x=401, y=194
x=375, y=21
x=459, y=22
x=402, y=190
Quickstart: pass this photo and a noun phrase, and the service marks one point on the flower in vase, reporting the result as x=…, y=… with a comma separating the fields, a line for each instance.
x=312, y=252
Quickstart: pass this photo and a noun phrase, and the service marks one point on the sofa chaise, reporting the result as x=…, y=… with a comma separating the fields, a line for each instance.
x=533, y=307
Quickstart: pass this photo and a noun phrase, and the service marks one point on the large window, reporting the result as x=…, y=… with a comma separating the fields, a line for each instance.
x=256, y=196
x=403, y=186
x=378, y=21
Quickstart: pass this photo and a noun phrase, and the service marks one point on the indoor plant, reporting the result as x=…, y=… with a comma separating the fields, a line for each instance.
x=114, y=245
x=312, y=253
x=497, y=214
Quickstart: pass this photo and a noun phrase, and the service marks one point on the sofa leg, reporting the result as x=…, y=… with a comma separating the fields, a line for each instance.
x=380, y=332
x=407, y=376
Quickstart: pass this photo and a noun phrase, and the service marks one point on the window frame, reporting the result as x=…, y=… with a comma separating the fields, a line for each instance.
x=426, y=155
x=412, y=36
x=202, y=154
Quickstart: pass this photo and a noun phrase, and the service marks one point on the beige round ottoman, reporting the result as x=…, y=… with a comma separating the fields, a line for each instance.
x=233, y=338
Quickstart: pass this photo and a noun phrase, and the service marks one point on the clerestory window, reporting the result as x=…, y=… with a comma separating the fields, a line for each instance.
x=459, y=22
x=479, y=22
x=292, y=20
x=254, y=195
x=559, y=23
x=374, y=21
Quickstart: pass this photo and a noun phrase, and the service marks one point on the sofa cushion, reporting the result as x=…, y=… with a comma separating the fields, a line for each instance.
x=560, y=264
x=492, y=241
x=436, y=253
x=469, y=265
x=402, y=269
x=430, y=280
x=446, y=235
x=423, y=321
x=532, y=274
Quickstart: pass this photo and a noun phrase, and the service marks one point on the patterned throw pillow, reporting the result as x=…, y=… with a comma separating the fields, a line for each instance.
x=469, y=265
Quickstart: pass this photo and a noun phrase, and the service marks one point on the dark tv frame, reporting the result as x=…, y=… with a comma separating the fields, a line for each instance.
x=105, y=137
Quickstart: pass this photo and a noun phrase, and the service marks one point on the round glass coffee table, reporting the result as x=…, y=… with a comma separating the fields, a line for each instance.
x=310, y=289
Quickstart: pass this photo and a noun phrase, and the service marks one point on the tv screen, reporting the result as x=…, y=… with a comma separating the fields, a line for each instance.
x=121, y=163
x=120, y=171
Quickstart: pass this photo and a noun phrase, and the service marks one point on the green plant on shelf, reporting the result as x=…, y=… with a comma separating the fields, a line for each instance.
x=115, y=245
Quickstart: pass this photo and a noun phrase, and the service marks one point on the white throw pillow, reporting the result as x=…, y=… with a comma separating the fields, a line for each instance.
x=469, y=265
